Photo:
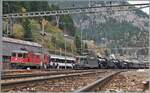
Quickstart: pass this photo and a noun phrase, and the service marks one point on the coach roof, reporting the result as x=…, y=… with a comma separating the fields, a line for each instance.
x=61, y=57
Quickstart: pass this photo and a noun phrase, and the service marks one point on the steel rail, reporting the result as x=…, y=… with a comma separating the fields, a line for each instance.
x=98, y=82
x=38, y=74
x=11, y=82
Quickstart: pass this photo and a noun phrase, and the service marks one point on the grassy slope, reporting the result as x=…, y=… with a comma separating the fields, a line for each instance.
x=51, y=31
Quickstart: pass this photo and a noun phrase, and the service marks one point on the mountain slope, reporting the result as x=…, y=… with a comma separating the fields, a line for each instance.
x=112, y=30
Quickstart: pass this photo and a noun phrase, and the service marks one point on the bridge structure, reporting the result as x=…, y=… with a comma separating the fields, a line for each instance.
x=70, y=11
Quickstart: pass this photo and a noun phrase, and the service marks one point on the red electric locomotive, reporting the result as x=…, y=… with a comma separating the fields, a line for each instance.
x=21, y=58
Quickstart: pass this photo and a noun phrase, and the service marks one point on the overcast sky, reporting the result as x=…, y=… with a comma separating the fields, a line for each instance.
x=140, y=2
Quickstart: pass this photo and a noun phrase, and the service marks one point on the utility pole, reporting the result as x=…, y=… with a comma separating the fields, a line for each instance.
x=60, y=51
x=65, y=51
x=81, y=43
x=1, y=48
x=65, y=55
x=89, y=3
x=81, y=35
x=43, y=34
x=55, y=46
x=10, y=26
x=9, y=23
x=57, y=20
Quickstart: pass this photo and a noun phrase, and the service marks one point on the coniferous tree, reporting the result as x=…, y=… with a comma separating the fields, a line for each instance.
x=78, y=43
x=27, y=30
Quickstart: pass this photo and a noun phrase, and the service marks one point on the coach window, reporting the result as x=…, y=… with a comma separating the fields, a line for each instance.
x=68, y=61
x=19, y=54
x=62, y=61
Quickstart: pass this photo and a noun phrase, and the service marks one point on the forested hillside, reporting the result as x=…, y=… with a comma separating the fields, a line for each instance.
x=30, y=28
x=124, y=29
x=109, y=30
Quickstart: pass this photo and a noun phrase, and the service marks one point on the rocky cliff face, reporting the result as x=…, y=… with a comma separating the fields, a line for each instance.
x=128, y=27
x=113, y=30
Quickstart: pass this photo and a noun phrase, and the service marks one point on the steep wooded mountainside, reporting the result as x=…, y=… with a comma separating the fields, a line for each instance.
x=106, y=29
x=113, y=30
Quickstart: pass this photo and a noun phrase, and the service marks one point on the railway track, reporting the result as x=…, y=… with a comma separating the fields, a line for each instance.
x=64, y=82
x=21, y=71
x=100, y=82
x=36, y=74
x=13, y=71
x=121, y=81
x=82, y=81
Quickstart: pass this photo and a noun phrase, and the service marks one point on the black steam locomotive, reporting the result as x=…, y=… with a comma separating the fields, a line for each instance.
x=106, y=63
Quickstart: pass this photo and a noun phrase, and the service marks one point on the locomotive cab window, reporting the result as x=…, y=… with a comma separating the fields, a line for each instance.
x=14, y=54
x=20, y=55
x=37, y=56
x=25, y=55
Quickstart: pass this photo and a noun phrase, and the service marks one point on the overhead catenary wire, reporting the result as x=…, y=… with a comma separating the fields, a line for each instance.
x=76, y=10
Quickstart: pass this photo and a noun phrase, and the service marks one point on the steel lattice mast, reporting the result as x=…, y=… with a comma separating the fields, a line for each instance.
x=98, y=9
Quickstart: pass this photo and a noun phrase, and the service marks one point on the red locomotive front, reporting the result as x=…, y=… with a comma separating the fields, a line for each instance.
x=25, y=58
